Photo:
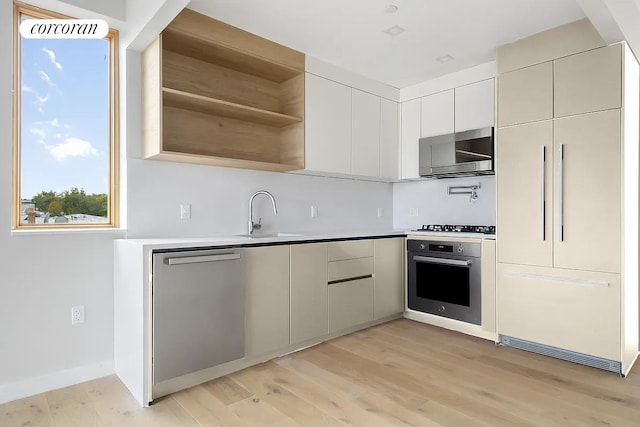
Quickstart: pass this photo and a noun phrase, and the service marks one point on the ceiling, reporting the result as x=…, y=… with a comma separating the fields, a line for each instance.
x=350, y=33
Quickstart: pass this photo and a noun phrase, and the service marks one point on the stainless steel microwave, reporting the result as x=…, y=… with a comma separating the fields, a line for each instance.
x=457, y=154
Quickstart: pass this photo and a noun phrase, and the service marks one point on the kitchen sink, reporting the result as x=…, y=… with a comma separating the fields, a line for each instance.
x=259, y=236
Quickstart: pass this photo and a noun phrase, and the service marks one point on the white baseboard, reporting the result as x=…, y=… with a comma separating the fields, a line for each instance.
x=43, y=383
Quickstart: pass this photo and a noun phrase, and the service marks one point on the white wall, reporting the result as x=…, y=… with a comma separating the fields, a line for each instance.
x=41, y=278
x=435, y=206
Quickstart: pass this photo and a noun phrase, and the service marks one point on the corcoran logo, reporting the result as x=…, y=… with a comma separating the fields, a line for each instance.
x=64, y=29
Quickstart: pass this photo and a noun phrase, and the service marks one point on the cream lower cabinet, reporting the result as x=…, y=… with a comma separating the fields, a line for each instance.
x=309, y=294
x=350, y=303
x=388, y=292
x=267, y=299
x=573, y=310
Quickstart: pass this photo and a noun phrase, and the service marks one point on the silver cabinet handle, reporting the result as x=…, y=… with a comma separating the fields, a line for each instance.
x=201, y=258
x=543, y=161
x=443, y=261
x=561, y=195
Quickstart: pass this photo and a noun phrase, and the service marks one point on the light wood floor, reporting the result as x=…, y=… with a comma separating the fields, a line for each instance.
x=399, y=373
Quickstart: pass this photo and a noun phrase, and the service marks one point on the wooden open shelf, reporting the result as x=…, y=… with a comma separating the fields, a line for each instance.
x=214, y=94
x=204, y=104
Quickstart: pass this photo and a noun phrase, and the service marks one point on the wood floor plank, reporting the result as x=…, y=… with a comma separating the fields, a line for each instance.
x=257, y=412
x=514, y=394
x=71, y=407
x=267, y=389
x=31, y=411
x=338, y=404
x=227, y=391
x=206, y=408
x=401, y=373
x=577, y=379
x=371, y=400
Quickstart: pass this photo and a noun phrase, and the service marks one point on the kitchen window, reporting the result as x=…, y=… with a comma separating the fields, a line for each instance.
x=65, y=129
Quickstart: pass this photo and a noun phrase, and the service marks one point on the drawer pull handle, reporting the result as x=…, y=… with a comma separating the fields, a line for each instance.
x=350, y=279
x=559, y=279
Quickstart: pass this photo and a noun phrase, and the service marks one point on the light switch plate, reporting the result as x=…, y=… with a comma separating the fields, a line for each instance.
x=314, y=211
x=413, y=211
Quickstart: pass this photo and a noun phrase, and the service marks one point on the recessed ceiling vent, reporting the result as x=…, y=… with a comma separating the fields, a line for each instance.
x=395, y=30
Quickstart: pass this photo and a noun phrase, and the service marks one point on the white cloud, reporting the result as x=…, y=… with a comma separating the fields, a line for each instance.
x=52, y=57
x=53, y=123
x=45, y=77
x=39, y=133
x=72, y=147
x=39, y=100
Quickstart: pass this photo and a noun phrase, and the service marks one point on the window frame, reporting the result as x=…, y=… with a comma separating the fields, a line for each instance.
x=113, y=196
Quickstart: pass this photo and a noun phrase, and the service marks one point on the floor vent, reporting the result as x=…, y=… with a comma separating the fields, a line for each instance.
x=558, y=353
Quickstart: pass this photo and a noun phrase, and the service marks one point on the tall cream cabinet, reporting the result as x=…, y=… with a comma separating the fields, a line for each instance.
x=567, y=190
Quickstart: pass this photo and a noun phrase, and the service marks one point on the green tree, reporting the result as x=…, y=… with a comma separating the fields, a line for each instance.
x=43, y=199
x=73, y=201
x=55, y=208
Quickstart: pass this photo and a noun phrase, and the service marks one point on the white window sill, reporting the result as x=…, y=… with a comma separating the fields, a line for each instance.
x=117, y=232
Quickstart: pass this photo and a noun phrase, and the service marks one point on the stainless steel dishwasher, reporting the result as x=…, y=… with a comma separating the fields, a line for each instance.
x=198, y=310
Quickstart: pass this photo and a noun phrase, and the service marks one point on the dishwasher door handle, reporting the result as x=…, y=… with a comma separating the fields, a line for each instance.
x=200, y=258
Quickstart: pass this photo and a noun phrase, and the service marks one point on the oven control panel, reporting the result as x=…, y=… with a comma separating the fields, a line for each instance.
x=444, y=248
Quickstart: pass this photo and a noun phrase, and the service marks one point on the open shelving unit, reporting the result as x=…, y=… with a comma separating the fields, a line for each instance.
x=215, y=94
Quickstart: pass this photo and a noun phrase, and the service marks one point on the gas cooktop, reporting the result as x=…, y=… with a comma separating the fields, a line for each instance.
x=482, y=229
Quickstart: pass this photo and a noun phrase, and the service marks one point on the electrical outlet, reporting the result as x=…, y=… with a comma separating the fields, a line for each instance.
x=185, y=211
x=77, y=314
x=314, y=211
x=380, y=212
x=413, y=211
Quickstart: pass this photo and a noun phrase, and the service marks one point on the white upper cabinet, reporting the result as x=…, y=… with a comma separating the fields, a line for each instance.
x=365, y=133
x=437, y=116
x=349, y=131
x=474, y=105
x=327, y=126
x=410, y=119
x=389, y=140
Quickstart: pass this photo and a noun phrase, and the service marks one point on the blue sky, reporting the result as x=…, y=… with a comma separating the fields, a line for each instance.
x=65, y=115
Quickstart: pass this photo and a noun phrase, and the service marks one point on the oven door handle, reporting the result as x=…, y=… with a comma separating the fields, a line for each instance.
x=443, y=261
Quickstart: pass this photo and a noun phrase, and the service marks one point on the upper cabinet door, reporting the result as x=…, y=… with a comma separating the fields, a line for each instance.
x=410, y=135
x=524, y=193
x=525, y=95
x=437, y=114
x=389, y=140
x=588, y=191
x=474, y=106
x=365, y=133
x=589, y=81
x=327, y=126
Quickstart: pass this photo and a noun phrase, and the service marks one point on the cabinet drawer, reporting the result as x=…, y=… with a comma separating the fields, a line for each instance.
x=350, y=304
x=569, y=309
x=350, y=249
x=350, y=268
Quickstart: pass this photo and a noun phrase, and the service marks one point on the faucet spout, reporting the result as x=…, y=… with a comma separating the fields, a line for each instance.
x=252, y=225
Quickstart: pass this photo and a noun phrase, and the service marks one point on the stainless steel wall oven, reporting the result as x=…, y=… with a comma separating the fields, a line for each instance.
x=444, y=279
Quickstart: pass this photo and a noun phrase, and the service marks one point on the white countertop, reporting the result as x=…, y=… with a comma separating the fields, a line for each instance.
x=213, y=241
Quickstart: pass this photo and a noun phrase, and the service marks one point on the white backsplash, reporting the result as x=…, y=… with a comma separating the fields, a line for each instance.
x=219, y=201
x=435, y=206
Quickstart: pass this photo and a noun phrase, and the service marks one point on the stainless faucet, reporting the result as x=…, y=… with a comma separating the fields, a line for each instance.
x=251, y=225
